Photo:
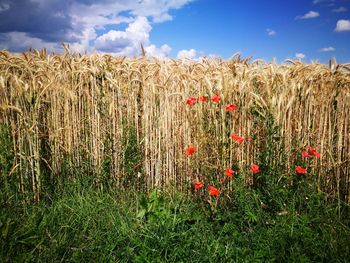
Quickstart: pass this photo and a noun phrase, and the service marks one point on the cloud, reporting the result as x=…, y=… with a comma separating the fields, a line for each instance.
x=308, y=15
x=4, y=7
x=330, y=2
x=191, y=53
x=327, y=49
x=113, y=41
x=340, y=9
x=50, y=22
x=158, y=10
x=31, y=17
x=196, y=55
x=162, y=52
x=126, y=42
x=342, y=25
x=300, y=55
x=270, y=32
x=19, y=41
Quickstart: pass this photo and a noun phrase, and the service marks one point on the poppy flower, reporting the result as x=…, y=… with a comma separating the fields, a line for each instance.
x=191, y=101
x=254, y=168
x=203, y=99
x=215, y=99
x=305, y=154
x=229, y=172
x=231, y=107
x=317, y=154
x=198, y=185
x=313, y=152
x=300, y=170
x=237, y=138
x=190, y=150
x=213, y=191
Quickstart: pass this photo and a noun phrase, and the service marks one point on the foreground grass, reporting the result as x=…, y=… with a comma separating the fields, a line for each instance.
x=79, y=223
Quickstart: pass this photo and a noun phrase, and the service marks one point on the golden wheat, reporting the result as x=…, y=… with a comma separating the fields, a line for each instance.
x=75, y=105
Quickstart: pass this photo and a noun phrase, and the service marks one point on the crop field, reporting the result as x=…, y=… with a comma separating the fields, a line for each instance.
x=128, y=121
x=253, y=149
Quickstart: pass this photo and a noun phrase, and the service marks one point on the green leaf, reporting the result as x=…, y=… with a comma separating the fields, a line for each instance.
x=153, y=195
x=6, y=228
x=141, y=214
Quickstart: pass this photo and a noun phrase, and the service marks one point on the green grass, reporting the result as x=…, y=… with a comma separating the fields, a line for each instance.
x=80, y=223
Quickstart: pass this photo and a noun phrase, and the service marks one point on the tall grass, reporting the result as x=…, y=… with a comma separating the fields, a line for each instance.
x=98, y=112
x=81, y=223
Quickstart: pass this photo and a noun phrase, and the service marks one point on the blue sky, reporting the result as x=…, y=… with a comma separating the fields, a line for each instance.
x=309, y=30
x=244, y=25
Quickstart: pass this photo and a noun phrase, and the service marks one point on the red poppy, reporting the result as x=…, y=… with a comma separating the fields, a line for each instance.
x=237, y=138
x=231, y=107
x=191, y=101
x=203, y=98
x=190, y=150
x=300, y=170
x=213, y=191
x=254, y=168
x=313, y=152
x=215, y=99
x=317, y=154
x=305, y=154
x=229, y=172
x=198, y=185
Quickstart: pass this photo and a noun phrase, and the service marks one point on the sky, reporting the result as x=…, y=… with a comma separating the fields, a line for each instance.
x=309, y=30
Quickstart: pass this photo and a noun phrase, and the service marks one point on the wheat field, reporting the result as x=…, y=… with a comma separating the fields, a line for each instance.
x=98, y=111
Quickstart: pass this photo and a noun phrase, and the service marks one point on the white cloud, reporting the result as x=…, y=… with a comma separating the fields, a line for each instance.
x=83, y=45
x=84, y=18
x=340, y=9
x=327, y=49
x=157, y=9
x=191, y=53
x=342, y=25
x=162, y=52
x=106, y=11
x=270, y=32
x=136, y=14
x=21, y=41
x=208, y=56
x=196, y=55
x=4, y=7
x=330, y=2
x=308, y=15
x=113, y=41
x=300, y=55
x=126, y=42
